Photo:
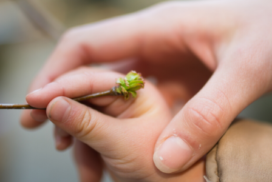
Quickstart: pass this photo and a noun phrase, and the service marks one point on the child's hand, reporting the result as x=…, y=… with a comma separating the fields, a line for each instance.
x=122, y=132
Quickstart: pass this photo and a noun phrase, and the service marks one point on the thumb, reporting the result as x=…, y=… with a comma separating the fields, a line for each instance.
x=204, y=119
x=84, y=123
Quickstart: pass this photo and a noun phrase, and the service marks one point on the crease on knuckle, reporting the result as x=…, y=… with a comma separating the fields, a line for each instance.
x=207, y=119
x=127, y=166
x=86, y=125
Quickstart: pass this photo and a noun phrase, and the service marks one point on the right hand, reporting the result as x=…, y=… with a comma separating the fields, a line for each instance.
x=123, y=134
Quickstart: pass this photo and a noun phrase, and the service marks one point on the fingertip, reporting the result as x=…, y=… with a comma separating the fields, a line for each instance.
x=32, y=96
x=28, y=122
x=172, y=155
x=41, y=97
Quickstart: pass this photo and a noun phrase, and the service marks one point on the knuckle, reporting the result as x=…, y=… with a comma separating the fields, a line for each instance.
x=205, y=118
x=86, y=125
x=70, y=35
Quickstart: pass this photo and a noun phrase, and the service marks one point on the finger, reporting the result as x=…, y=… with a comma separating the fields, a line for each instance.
x=31, y=123
x=204, y=119
x=85, y=81
x=77, y=83
x=36, y=118
x=88, y=162
x=62, y=139
x=81, y=121
x=39, y=115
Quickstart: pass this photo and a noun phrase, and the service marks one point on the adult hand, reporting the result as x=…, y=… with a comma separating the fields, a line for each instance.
x=122, y=135
x=171, y=42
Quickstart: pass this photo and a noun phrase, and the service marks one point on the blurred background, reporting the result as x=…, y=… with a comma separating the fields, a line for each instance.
x=26, y=41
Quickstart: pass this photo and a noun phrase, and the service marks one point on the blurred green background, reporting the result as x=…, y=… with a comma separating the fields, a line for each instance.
x=29, y=156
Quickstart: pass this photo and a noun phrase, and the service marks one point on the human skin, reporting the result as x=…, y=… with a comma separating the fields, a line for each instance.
x=118, y=134
x=214, y=55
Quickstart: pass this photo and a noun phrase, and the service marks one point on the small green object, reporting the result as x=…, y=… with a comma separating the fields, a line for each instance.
x=130, y=84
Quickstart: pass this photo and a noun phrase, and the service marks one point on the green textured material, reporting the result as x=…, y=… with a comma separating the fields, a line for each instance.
x=130, y=84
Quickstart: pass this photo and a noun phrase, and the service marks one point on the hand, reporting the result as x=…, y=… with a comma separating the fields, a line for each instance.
x=124, y=137
x=172, y=42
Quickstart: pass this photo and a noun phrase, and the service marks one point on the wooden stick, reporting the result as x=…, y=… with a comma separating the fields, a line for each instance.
x=78, y=99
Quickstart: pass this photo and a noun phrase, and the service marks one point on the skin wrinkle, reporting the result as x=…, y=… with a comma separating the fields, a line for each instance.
x=87, y=125
x=145, y=176
x=199, y=117
x=207, y=133
x=120, y=165
x=216, y=116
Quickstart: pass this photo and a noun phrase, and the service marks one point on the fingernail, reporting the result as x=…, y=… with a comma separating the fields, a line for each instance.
x=59, y=109
x=172, y=155
x=38, y=116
